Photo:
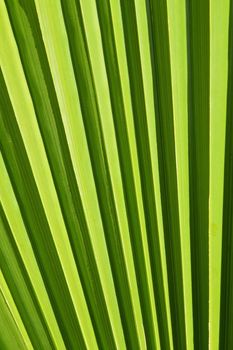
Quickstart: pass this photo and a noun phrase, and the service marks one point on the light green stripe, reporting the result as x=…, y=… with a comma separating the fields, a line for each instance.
x=178, y=54
x=14, y=311
x=10, y=336
x=219, y=21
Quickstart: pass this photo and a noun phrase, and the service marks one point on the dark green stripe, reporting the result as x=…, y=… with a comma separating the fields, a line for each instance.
x=198, y=108
x=226, y=310
x=161, y=70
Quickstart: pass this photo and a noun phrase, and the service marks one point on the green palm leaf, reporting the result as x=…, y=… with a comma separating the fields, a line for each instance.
x=116, y=174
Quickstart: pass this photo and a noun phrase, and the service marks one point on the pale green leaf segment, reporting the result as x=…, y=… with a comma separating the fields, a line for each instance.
x=11, y=337
x=219, y=26
x=116, y=205
x=178, y=53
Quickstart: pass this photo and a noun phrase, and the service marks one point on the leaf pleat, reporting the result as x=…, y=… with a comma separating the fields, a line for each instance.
x=197, y=17
x=160, y=59
x=11, y=338
x=116, y=174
